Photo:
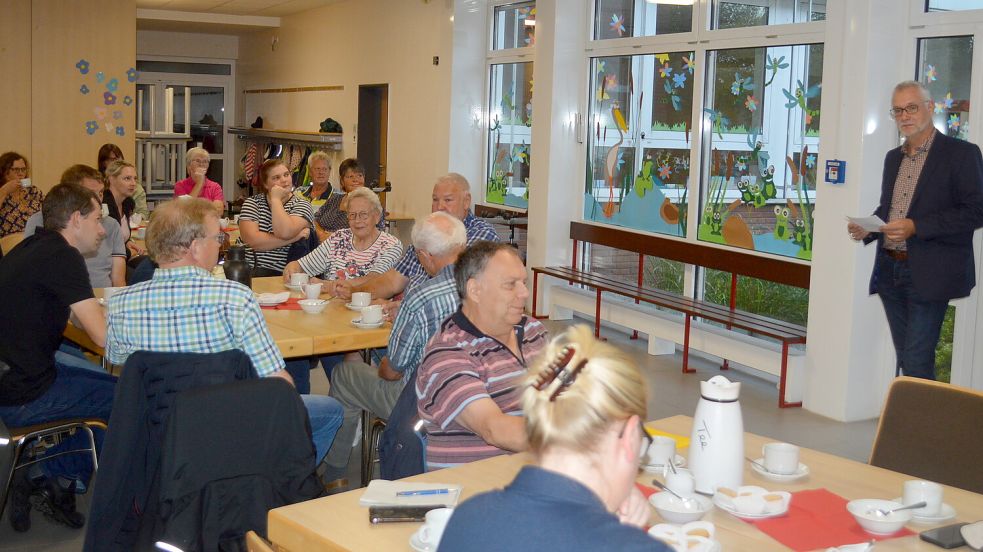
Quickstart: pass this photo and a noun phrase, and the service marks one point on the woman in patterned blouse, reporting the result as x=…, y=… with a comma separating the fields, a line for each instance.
x=17, y=201
x=353, y=252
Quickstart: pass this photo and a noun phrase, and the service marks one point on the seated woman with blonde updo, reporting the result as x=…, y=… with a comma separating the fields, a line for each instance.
x=584, y=407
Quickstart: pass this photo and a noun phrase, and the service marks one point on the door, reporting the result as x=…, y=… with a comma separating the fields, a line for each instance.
x=373, y=127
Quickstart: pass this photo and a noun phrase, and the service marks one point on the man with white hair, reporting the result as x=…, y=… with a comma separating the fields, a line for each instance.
x=437, y=242
x=197, y=184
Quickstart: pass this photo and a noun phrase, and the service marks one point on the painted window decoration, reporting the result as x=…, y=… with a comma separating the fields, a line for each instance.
x=945, y=67
x=639, y=142
x=761, y=145
x=732, y=14
x=509, y=134
x=953, y=5
x=514, y=26
x=628, y=18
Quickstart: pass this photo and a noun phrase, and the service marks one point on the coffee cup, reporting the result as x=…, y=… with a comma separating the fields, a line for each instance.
x=299, y=279
x=433, y=528
x=235, y=219
x=25, y=182
x=223, y=222
x=312, y=291
x=681, y=482
x=372, y=314
x=917, y=490
x=361, y=298
x=662, y=450
x=781, y=458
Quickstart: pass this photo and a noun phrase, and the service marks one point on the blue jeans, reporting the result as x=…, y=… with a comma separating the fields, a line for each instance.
x=915, y=323
x=76, y=393
x=70, y=355
x=300, y=371
x=326, y=415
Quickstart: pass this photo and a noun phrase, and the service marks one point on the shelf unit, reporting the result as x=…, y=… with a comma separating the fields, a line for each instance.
x=321, y=140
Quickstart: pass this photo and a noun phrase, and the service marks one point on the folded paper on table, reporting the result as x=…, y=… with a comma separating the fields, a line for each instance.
x=381, y=492
x=872, y=223
x=818, y=518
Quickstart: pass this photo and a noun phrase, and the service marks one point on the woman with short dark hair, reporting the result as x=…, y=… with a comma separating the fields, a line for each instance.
x=19, y=198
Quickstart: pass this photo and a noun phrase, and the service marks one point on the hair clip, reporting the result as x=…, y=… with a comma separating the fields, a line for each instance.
x=552, y=369
x=566, y=378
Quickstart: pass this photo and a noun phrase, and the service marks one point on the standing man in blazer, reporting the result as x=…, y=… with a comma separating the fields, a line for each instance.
x=932, y=200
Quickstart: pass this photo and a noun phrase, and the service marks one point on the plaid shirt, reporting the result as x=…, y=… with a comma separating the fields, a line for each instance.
x=410, y=266
x=904, y=186
x=186, y=310
x=419, y=318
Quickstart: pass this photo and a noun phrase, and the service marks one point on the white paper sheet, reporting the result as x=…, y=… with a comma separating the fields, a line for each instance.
x=381, y=492
x=872, y=223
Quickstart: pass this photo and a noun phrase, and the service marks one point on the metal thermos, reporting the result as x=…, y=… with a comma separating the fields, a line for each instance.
x=716, y=448
x=236, y=268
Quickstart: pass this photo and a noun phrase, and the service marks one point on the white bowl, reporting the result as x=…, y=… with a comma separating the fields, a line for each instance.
x=875, y=524
x=675, y=510
x=313, y=306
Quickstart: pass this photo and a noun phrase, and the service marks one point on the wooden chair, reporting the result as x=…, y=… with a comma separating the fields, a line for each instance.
x=9, y=241
x=930, y=430
x=256, y=543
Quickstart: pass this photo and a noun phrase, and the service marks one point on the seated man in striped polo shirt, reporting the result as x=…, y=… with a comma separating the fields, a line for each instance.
x=470, y=382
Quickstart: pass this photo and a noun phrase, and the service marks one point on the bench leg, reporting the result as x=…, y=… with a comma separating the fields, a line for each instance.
x=725, y=365
x=686, y=369
x=781, y=382
x=597, y=316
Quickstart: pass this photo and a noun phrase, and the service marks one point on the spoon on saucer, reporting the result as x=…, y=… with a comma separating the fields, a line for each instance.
x=760, y=465
x=661, y=485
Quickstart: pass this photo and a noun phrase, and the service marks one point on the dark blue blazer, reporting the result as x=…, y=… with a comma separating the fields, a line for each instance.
x=946, y=208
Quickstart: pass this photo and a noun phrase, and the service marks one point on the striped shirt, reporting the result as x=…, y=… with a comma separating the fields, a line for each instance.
x=904, y=186
x=337, y=257
x=460, y=366
x=186, y=310
x=257, y=209
x=419, y=319
x=410, y=266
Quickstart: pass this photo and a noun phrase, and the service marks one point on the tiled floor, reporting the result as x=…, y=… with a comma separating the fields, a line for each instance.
x=671, y=393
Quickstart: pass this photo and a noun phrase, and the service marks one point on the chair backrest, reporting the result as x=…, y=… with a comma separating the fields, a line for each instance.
x=256, y=543
x=10, y=241
x=930, y=430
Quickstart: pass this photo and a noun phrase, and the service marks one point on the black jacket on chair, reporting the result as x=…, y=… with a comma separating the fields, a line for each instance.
x=231, y=453
x=400, y=449
x=126, y=490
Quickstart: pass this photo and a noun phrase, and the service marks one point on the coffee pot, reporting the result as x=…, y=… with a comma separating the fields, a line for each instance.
x=716, y=449
x=235, y=266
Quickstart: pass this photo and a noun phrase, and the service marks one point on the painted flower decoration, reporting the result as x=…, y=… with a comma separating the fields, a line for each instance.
x=91, y=127
x=84, y=89
x=679, y=80
x=740, y=83
x=939, y=107
x=735, y=87
x=663, y=58
x=600, y=66
x=131, y=75
x=948, y=100
x=682, y=163
x=741, y=165
x=127, y=100
x=954, y=121
x=120, y=131
x=751, y=103
x=621, y=159
x=664, y=171
x=690, y=64
x=112, y=85
x=665, y=71
x=83, y=66
x=617, y=24
x=931, y=75
x=810, y=161
x=117, y=114
x=109, y=98
x=100, y=76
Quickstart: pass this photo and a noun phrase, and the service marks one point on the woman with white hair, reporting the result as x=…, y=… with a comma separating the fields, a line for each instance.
x=319, y=191
x=197, y=184
x=352, y=253
x=584, y=407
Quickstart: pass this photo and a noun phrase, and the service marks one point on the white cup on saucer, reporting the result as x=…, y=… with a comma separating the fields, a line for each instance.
x=299, y=279
x=372, y=314
x=433, y=528
x=662, y=451
x=681, y=482
x=361, y=299
x=312, y=291
x=917, y=490
x=781, y=458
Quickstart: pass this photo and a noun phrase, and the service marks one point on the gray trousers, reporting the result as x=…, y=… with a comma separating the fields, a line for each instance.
x=357, y=386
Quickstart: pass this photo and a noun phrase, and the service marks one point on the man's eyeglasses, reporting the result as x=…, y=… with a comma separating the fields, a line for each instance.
x=364, y=215
x=910, y=109
x=219, y=238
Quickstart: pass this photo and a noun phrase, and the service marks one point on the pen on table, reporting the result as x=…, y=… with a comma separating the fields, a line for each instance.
x=423, y=492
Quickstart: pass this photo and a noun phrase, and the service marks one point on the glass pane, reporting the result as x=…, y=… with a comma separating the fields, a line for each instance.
x=760, y=151
x=658, y=273
x=639, y=144
x=945, y=67
x=943, y=351
x=509, y=138
x=514, y=26
x=627, y=18
x=207, y=117
x=183, y=67
x=763, y=297
x=731, y=14
x=953, y=5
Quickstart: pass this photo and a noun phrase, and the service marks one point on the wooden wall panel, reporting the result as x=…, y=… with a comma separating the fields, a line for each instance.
x=15, y=66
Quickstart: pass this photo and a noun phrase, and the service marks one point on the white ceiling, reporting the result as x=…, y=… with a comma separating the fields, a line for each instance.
x=267, y=8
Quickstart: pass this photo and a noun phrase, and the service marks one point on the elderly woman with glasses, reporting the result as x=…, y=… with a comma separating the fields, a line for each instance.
x=197, y=184
x=584, y=405
x=353, y=252
x=19, y=199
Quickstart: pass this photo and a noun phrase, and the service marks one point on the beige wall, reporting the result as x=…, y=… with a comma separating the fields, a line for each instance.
x=44, y=113
x=361, y=42
x=162, y=43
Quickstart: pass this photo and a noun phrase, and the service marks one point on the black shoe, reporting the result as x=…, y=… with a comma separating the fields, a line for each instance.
x=20, y=504
x=58, y=505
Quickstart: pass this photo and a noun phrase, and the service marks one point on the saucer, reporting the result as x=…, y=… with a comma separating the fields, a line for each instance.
x=728, y=505
x=366, y=326
x=678, y=461
x=272, y=299
x=293, y=287
x=418, y=545
x=946, y=513
x=355, y=308
x=780, y=477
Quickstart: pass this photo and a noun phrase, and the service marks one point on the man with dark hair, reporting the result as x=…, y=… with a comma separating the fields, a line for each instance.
x=106, y=266
x=470, y=381
x=44, y=281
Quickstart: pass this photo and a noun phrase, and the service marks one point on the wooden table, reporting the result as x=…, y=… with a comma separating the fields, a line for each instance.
x=339, y=523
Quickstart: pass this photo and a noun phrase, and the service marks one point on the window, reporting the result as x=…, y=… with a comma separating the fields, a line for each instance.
x=514, y=26
x=762, y=112
x=639, y=143
x=945, y=67
x=953, y=5
x=510, y=122
x=732, y=14
x=628, y=18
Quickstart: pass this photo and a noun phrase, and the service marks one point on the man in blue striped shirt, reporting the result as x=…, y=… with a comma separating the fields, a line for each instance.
x=183, y=309
x=437, y=241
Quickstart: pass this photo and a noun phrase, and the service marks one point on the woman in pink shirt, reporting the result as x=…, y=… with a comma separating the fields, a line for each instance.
x=197, y=184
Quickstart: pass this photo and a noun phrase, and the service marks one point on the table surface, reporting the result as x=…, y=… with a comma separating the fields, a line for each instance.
x=338, y=522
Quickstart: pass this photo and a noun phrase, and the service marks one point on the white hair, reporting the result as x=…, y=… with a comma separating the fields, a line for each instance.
x=904, y=85
x=319, y=155
x=195, y=153
x=439, y=234
x=367, y=195
x=458, y=180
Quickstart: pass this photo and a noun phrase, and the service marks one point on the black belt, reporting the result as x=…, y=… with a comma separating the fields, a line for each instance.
x=897, y=254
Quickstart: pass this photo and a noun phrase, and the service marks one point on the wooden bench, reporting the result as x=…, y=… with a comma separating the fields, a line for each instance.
x=736, y=262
